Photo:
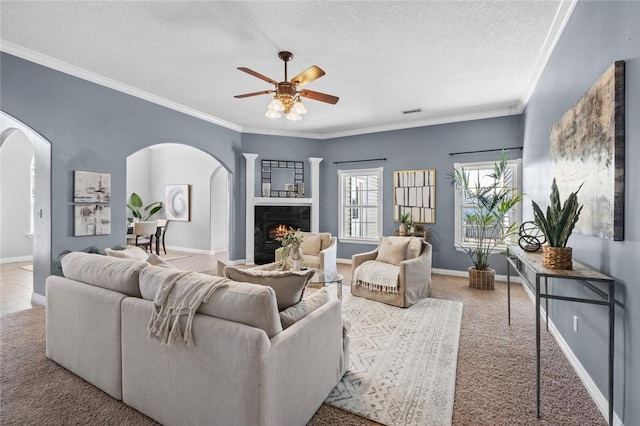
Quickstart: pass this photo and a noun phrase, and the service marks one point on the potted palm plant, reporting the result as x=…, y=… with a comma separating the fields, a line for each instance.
x=486, y=225
x=557, y=227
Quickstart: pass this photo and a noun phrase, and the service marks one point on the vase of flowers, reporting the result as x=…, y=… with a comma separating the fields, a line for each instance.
x=291, y=252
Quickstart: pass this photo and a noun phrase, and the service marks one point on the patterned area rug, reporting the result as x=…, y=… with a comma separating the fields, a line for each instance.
x=403, y=361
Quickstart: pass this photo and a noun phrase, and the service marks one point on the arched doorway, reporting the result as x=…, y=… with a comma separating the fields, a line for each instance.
x=12, y=128
x=151, y=169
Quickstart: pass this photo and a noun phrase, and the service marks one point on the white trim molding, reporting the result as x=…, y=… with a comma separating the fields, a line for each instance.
x=38, y=299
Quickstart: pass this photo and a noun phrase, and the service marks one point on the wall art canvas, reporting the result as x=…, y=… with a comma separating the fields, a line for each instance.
x=587, y=146
x=92, y=219
x=177, y=201
x=414, y=191
x=91, y=187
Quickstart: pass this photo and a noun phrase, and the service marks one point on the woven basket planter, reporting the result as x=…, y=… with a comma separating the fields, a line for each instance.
x=557, y=257
x=482, y=280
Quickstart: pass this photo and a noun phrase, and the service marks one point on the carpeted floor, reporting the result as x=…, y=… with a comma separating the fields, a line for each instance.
x=495, y=382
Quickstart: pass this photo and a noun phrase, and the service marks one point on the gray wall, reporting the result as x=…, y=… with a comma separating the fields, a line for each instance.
x=418, y=148
x=598, y=34
x=95, y=128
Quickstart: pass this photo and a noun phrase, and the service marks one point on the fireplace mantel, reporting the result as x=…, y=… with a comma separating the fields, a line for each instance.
x=252, y=201
x=276, y=201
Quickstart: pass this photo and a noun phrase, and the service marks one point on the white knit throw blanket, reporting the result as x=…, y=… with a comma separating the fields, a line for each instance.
x=378, y=276
x=179, y=295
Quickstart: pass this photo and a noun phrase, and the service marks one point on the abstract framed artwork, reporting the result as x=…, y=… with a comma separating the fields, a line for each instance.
x=414, y=191
x=587, y=147
x=91, y=187
x=177, y=202
x=92, y=219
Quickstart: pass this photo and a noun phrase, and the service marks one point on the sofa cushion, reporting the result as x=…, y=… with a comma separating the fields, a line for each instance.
x=311, y=243
x=131, y=252
x=249, y=304
x=391, y=252
x=296, y=312
x=112, y=273
x=288, y=285
x=156, y=260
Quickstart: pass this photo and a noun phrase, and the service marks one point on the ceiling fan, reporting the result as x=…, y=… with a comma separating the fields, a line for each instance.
x=287, y=94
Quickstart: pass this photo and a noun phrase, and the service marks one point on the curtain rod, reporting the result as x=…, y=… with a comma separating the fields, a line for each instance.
x=485, y=150
x=358, y=161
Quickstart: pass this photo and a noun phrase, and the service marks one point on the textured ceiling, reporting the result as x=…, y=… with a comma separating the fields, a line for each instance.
x=453, y=59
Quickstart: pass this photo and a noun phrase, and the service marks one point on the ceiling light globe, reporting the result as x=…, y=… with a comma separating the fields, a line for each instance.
x=276, y=105
x=293, y=116
x=272, y=113
x=299, y=108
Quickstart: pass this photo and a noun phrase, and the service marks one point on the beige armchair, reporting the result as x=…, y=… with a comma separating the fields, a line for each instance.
x=398, y=272
x=319, y=251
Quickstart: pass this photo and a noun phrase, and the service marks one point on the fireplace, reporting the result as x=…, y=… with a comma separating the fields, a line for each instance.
x=271, y=222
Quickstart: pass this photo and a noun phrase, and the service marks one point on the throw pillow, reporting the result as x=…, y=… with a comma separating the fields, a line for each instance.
x=311, y=244
x=296, y=312
x=390, y=252
x=288, y=285
x=413, y=249
x=131, y=252
x=156, y=260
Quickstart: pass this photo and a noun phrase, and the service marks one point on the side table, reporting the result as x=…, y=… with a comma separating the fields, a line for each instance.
x=323, y=278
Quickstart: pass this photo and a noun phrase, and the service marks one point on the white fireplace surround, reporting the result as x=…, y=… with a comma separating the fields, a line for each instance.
x=253, y=201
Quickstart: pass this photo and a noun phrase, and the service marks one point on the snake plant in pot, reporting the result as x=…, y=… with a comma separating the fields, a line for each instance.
x=486, y=218
x=557, y=227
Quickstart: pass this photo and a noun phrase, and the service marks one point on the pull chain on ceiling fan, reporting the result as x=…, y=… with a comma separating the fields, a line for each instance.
x=287, y=97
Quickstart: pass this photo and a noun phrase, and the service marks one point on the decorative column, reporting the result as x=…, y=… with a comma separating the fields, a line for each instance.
x=315, y=193
x=250, y=176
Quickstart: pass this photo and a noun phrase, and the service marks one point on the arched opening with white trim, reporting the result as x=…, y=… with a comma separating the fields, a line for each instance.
x=206, y=228
x=15, y=133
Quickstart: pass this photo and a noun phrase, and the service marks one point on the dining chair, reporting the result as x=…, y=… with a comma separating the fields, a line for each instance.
x=160, y=233
x=143, y=233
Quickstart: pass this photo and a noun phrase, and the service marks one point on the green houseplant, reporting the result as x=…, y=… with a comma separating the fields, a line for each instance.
x=557, y=227
x=485, y=229
x=143, y=213
x=405, y=221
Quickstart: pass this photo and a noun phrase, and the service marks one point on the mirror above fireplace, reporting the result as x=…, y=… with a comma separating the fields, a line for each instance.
x=283, y=179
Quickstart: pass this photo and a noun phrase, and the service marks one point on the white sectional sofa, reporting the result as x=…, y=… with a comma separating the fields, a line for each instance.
x=244, y=368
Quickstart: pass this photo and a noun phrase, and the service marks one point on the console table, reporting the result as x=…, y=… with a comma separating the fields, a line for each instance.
x=527, y=264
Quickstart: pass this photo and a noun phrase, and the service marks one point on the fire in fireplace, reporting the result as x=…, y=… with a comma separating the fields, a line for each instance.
x=272, y=222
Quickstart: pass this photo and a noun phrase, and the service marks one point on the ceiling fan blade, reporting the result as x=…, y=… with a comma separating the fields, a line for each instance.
x=317, y=96
x=257, y=74
x=307, y=76
x=262, y=92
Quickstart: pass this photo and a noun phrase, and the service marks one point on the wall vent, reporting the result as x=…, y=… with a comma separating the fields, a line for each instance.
x=412, y=111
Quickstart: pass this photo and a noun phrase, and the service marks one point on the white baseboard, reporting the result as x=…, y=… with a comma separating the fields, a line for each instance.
x=345, y=261
x=598, y=398
x=38, y=298
x=16, y=259
x=196, y=251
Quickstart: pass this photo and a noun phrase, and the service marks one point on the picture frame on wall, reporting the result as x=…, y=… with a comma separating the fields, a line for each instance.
x=178, y=202
x=414, y=191
x=91, y=187
x=91, y=219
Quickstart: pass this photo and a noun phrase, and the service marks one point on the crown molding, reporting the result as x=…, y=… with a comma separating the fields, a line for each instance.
x=563, y=14
x=498, y=112
x=49, y=62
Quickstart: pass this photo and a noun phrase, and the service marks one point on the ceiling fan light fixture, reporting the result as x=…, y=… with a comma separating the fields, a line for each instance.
x=293, y=116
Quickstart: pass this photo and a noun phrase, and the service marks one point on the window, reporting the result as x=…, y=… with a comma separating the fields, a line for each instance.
x=480, y=172
x=360, y=212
